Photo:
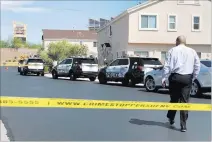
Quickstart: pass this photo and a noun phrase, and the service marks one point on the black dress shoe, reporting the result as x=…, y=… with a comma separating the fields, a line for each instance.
x=171, y=122
x=183, y=129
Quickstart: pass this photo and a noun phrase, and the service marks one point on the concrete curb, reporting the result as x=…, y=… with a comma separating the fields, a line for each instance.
x=3, y=135
x=86, y=79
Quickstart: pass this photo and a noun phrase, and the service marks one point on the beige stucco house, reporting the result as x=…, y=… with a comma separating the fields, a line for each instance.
x=151, y=28
x=83, y=37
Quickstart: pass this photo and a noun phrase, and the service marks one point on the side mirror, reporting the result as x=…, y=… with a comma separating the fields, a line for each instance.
x=135, y=65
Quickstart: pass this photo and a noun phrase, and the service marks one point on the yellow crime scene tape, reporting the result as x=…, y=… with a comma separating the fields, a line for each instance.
x=98, y=104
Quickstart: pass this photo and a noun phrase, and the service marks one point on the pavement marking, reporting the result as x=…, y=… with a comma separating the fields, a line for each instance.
x=86, y=79
x=3, y=134
x=6, y=101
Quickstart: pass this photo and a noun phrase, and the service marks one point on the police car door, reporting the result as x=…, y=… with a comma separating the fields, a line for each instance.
x=111, y=71
x=123, y=67
x=67, y=66
x=60, y=68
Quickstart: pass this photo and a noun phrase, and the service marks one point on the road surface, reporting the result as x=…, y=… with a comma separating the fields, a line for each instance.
x=52, y=124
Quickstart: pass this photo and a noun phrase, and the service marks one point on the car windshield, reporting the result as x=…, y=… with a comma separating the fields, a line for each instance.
x=151, y=61
x=206, y=63
x=35, y=61
x=86, y=60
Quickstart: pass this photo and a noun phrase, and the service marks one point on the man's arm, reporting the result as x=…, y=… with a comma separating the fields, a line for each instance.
x=167, y=66
x=196, y=66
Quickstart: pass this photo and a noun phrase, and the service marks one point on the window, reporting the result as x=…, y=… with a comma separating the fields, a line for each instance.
x=80, y=42
x=35, y=61
x=196, y=1
x=114, y=63
x=163, y=55
x=199, y=54
x=94, y=44
x=148, y=22
x=68, y=61
x=110, y=31
x=123, y=62
x=142, y=53
x=195, y=23
x=206, y=63
x=117, y=54
x=172, y=22
x=151, y=61
x=63, y=62
x=181, y=1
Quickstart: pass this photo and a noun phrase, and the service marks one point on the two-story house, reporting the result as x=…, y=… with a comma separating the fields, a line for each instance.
x=151, y=28
x=82, y=37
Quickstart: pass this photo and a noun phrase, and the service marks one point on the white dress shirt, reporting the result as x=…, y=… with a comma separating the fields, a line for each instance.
x=182, y=60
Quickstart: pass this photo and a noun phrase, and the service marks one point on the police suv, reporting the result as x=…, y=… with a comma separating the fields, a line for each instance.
x=76, y=67
x=126, y=70
x=32, y=65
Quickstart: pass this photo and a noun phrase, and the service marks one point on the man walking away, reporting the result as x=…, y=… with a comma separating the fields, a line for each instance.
x=181, y=68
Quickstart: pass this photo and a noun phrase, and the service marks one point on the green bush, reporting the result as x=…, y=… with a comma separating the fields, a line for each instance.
x=46, y=68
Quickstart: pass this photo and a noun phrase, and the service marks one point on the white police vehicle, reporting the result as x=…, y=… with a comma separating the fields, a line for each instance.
x=76, y=67
x=201, y=85
x=32, y=66
x=127, y=70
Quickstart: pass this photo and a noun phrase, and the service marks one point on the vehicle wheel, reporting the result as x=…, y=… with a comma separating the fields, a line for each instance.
x=38, y=74
x=133, y=82
x=92, y=78
x=102, y=79
x=42, y=74
x=126, y=81
x=195, y=89
x=150, y=85
x=21, y=73
x=25, y=73
x=54, y=75
x=72, y=76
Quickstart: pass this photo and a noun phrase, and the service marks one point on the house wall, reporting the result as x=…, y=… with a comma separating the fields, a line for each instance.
x=89, y=43
x=118, y=40
x=184, y=23
x=155, y=50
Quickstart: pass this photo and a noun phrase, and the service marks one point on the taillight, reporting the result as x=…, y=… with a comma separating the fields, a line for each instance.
x=140, y=68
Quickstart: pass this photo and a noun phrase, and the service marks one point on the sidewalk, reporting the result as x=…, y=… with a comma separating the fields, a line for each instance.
x=3, y=135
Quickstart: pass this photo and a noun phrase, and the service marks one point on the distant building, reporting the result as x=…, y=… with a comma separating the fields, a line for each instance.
x=20, y=31
x=84, y=37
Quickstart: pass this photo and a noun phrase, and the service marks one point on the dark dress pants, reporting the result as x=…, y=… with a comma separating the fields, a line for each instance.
x=179, y=88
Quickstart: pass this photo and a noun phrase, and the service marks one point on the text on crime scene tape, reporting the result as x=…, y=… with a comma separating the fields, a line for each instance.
x=98, y=104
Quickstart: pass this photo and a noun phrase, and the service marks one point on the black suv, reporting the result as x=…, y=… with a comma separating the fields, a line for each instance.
x=76, y=67
x=123, y=70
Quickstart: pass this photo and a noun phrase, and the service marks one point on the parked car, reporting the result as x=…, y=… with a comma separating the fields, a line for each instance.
x=201, y=85
x=76, y=67
x=20, y=63
x=32, y=66
x=127, y=70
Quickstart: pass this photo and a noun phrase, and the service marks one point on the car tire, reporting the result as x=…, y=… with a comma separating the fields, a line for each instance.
x=92, y=78
x=72, y=76
x=25, y=73
x=196, y=89
x=21, y=73
x=54, y=75
x=38, y=74
x=42, y=74
x=126, y=81
x=150, y=85
x=102, y=79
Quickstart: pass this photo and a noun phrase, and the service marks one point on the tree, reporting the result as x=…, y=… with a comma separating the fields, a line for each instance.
x=63, y=49
x=4, y=44
x=16, y=43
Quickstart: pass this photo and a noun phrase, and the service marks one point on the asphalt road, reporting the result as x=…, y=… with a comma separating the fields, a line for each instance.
x=51, y=124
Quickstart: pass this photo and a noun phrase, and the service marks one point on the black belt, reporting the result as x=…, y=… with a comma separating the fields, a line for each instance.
x=179, y=74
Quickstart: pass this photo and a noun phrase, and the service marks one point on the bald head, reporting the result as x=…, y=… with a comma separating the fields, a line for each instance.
x=180, y=40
